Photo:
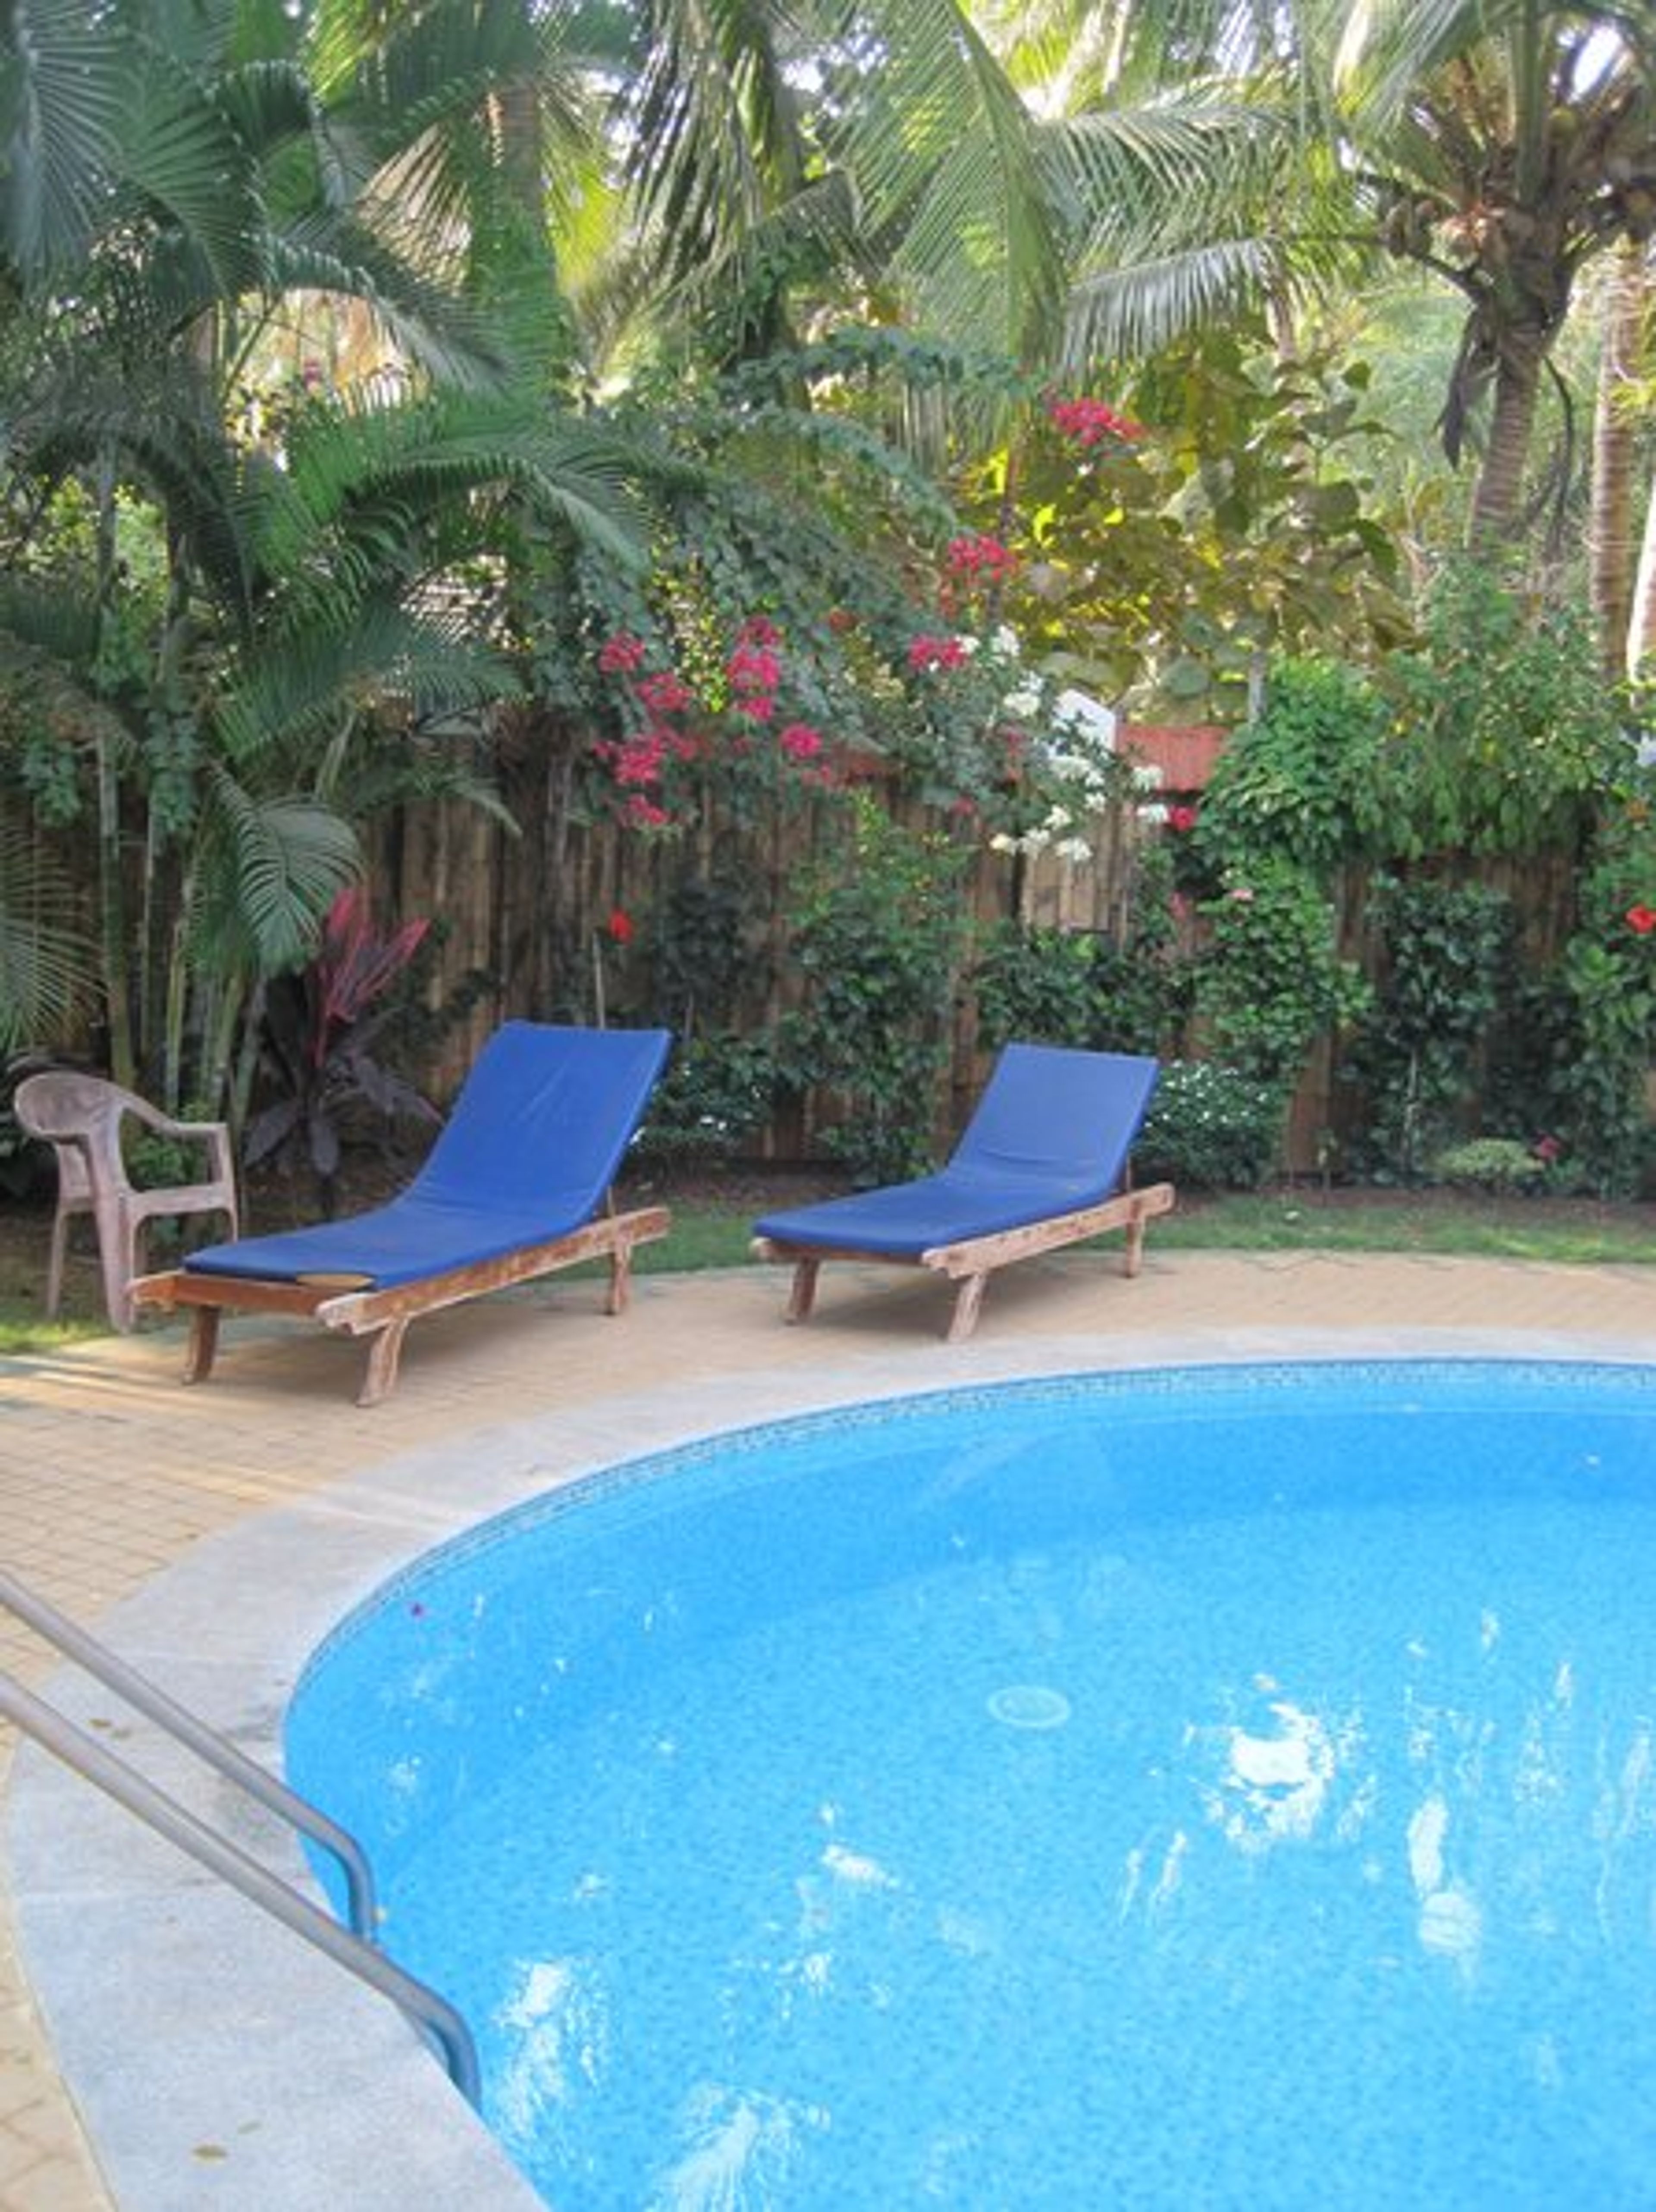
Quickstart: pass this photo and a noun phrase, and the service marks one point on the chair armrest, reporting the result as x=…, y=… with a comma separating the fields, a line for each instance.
x=215, y=1135
x=165, y=1126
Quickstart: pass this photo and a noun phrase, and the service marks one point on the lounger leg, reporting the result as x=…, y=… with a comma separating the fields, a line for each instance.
x=202, y=1348
x=1133, y=1258
x=621, y=1279
x=802, y=1296
x=969, y=1304
x=384, y=1350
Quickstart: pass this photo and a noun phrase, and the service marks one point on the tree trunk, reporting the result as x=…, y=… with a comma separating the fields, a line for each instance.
x=1496, y=503
x=113, y=948
x=1611, y=536
x=1642, y=617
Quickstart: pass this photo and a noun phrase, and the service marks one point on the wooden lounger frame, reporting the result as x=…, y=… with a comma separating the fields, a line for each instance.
x=972, y=1261
x=384, y=1315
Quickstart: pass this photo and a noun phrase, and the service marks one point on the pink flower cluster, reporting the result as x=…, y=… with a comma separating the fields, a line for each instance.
x=621, y=654
x=978, y=555
x=926, y=651
x=639, y=763
x=1088, y=421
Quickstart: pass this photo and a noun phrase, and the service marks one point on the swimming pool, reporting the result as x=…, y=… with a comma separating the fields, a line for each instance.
x=1221, y=1786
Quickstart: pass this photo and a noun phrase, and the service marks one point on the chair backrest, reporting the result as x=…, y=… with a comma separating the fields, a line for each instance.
x=81, y=1116
x=1051, y=1110
x=545, y=1115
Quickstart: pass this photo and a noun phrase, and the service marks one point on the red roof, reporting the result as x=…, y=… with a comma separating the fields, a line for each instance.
x=1185, y=755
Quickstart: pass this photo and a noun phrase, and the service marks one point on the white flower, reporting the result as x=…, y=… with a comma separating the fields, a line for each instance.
x=1001, y=843
x=1073, y=849
x=969, y=645
x=1083, y=717
x=1004, y=645
x=1058, y=817
x=1023, y=705
x=1147, y=776
x=1153, y=817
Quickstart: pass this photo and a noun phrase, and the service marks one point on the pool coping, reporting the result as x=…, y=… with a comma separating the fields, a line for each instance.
x=280, y=2083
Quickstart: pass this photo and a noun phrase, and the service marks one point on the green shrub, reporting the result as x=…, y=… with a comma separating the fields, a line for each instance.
x=1045, y=985
x=1418, y=1052
x=1271, y=981
x=1210, y=1127
x=878, y=930
x=717, y=1093
x=1496, y=1164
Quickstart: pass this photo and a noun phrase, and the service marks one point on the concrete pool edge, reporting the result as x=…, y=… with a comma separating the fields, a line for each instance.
x=224, y=2063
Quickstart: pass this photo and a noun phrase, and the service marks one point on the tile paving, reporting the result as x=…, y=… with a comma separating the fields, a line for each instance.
x=110, y=1475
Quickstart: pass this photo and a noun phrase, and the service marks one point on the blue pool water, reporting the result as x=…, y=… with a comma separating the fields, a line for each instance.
x=1201, y=1789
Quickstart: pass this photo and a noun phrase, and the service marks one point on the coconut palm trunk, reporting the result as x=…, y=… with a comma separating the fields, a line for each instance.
x=1497, y=501
x=1612, y=536
x=1642, y=615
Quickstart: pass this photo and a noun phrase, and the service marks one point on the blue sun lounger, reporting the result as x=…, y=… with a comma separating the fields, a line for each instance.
x=1041, y=1163
x=511, y=1189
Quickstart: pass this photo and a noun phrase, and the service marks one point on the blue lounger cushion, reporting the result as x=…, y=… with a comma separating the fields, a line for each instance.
x=1049, y=1136
x=533, y=1143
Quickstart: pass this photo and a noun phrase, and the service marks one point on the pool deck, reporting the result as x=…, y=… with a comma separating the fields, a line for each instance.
x=162, y=2047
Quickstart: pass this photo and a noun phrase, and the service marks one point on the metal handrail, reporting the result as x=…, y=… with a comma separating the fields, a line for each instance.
x=96, y=1764
x=362, y=1910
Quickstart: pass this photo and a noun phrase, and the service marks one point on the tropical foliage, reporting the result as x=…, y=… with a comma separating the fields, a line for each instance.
x=666, y=424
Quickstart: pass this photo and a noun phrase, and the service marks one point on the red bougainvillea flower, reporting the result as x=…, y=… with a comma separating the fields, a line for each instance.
x=926, y=651
x=800, y=742
x=753, y=668
x=619, y=924
x=638, y=761
x=1641, y=920
x=620, y=654
x=1088, y=420
x=760, y=630
x=1182, y=818
x=1546, y=1148
x=665, y=693
x=757, y=709
x=978, y=555
x=642, y=813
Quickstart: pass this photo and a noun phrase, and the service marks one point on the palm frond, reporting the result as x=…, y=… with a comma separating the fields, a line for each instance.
x=299, y=688
x=1126, y=312
x=65, y=75
x=189, y=164
x=48, y=964
x=161, y=423
x=270, y=869
x=423, y=320
x=818, y=228
x=1387, y=47
x=712, y=124
x=946, y=160
x=364, y=479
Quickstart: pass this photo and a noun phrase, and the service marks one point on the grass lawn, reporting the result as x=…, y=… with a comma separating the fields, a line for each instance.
x=711, y=1231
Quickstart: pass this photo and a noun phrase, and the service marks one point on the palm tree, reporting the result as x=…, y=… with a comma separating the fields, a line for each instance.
x=1501, y=145
x=220, y=170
